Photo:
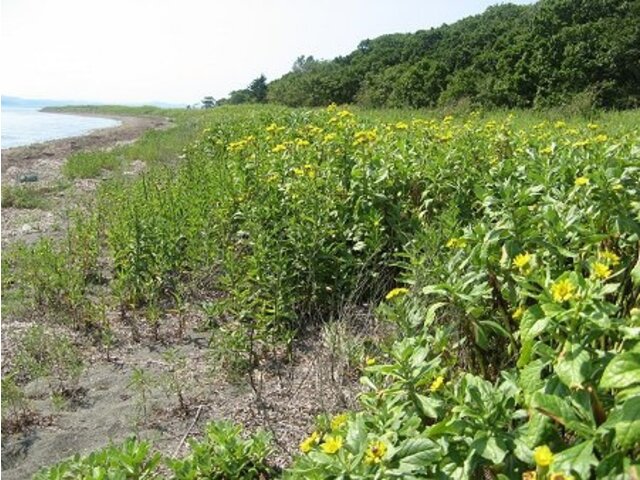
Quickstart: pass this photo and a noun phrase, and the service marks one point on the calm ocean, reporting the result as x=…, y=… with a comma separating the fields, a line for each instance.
x=24, y=126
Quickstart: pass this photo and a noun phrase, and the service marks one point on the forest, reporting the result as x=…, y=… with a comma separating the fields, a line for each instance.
x=555, y=52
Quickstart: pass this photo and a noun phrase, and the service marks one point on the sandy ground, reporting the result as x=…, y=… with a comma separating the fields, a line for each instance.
x=284, y=398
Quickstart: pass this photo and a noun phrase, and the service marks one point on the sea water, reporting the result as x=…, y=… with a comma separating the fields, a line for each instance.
x=25, y=125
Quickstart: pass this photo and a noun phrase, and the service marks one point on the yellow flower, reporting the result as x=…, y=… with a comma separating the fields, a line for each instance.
x=530, y=475
x=370, y=361
x=332, y=444
x=375, y=452
x=437, y=384
x=279, y=148
x=329, y=137
x=617, y=187
x=560, y=124
x=580, y=143
x=456, y=243
x=332, y=107
x=547, y=150
x=235, y=146
x=302, y=143
x=401, y=126
x=522, y=261
x=339, y=420
x=309, y=442
x=593, y=126
x=344, y=114
x=600, y=270
x=518, y=312
x=609, y=257
x=563, y=290
x=365, y=136
x=543, y=456
x=601, y=138
x=581, y=181
x=396, y=292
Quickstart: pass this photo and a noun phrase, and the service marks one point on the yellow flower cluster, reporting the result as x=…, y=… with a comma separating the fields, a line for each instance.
x=456, y=242
x=437, y=384
x=331, y=444
x=339, y=420
x=581, y=181
x=240, y=144
x=518, y=313
x=274, y=128
x=563, y=290
x=310, y=442
x=600, y=270
x=522, y=262
x=609, y=258
x=279, y=148
x=543, y=456
x=365, y=136
x=375, y=452
x=396, y=292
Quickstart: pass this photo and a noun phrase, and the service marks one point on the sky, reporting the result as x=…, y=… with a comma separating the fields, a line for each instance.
x=178, y=51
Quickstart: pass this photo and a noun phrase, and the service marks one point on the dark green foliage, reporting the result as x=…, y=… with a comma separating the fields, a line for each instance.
x=510, y=56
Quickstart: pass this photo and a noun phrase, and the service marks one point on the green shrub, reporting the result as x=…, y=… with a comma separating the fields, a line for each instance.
x=224, y=454
x=91, y=164
x=22, y=197
x=132, y=460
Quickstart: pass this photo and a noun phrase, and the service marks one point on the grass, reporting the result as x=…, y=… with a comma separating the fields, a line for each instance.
x=19, y=196
x=91, y=164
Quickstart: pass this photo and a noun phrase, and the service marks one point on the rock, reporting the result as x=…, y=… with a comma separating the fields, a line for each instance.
x=26, y=228
x=28, y=177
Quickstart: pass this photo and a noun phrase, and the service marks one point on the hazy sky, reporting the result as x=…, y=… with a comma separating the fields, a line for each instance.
x=180, y=50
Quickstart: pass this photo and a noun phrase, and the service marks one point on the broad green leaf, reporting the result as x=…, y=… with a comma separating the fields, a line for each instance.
x=530, y=377
x=574, y=367
x=416, y=454
x=622, y=372
x=561, y=411
x=628, y=426
x=357, y=435
x=577, y=459
x=490, y=448
x=428, y=405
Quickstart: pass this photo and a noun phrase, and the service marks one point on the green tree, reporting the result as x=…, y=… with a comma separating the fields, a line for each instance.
x=208, y=102
x=258, y=89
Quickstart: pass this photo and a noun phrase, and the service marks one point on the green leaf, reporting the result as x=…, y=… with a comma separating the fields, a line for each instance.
x=530, y=377
x=417, y=453
x=577, y=459
x=428, y=405
x=635, y=273
x=561, y=411
x=628, y=427
x=490, y=448
x=574, y=367
x=357, y=435
x=622, y=372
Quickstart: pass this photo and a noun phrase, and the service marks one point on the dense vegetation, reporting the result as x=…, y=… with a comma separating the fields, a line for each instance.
x=583, y=52
x=503, y=250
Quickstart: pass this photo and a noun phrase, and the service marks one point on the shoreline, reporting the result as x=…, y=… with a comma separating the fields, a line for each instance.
x=15, y=160
x=44, y=161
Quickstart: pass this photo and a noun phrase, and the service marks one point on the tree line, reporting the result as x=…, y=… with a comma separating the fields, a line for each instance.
x=553, y=52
